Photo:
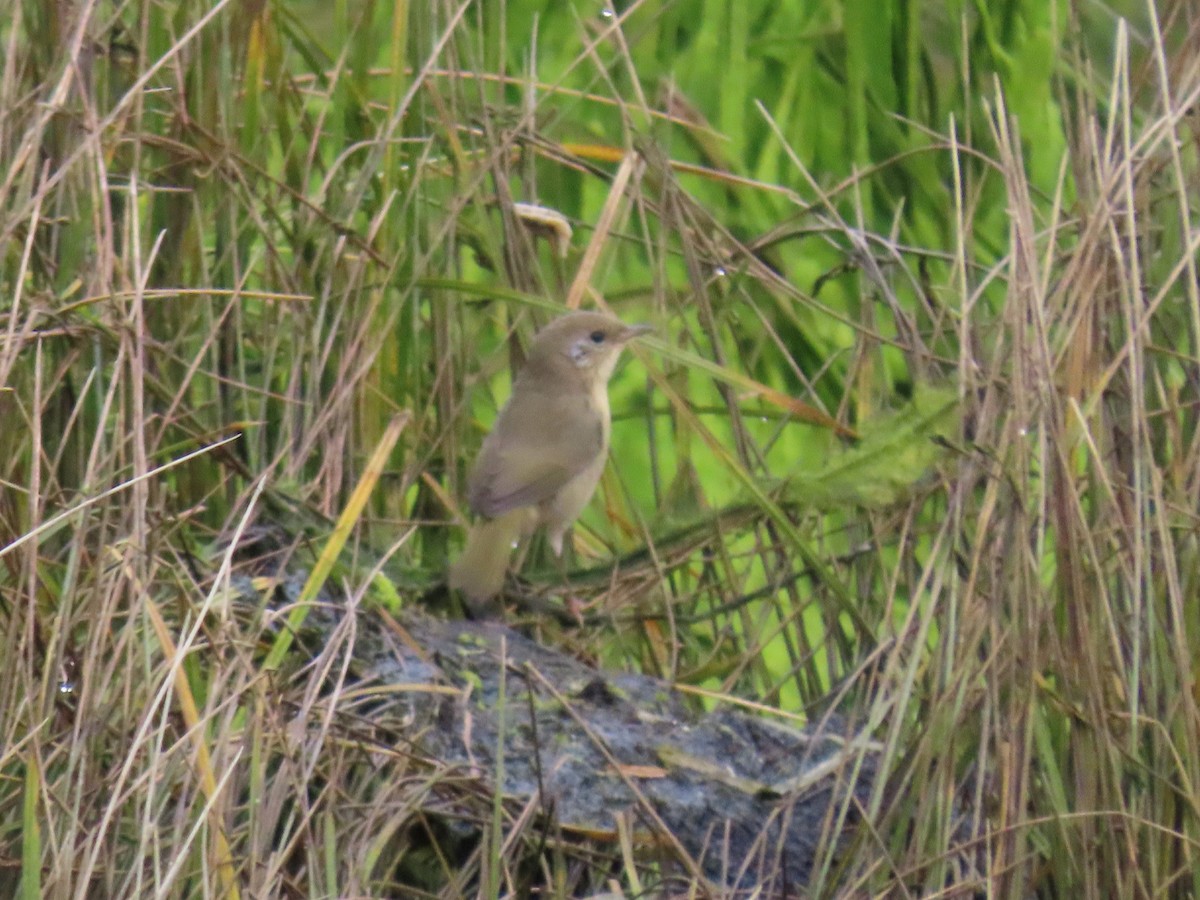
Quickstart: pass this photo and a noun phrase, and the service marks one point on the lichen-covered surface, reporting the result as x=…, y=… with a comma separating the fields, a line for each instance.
x=730, y=796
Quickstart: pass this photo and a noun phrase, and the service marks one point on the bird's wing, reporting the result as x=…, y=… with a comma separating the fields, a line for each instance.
x=537, y=446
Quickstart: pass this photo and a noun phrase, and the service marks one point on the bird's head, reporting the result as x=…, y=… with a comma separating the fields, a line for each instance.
x=590, y=342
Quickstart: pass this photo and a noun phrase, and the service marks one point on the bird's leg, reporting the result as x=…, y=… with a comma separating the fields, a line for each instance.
x=564, y=552
x=563, y=544
x=521, y=551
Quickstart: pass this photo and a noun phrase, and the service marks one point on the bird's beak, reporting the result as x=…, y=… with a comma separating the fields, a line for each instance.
x=635, y=331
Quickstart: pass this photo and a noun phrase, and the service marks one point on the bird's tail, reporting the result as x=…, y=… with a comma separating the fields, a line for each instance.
x=479, y=571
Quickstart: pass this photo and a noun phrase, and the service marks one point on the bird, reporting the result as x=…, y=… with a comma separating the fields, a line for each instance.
x=542, y=460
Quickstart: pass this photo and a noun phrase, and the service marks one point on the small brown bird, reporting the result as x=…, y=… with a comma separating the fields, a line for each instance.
x=543, y=458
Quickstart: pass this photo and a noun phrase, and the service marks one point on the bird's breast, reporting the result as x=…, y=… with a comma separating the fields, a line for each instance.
x=598, y=401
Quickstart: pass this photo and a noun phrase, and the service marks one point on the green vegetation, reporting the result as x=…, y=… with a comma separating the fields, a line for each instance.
x=918, y=428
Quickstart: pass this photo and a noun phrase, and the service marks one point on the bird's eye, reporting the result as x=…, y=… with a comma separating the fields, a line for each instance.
x=597, y=337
